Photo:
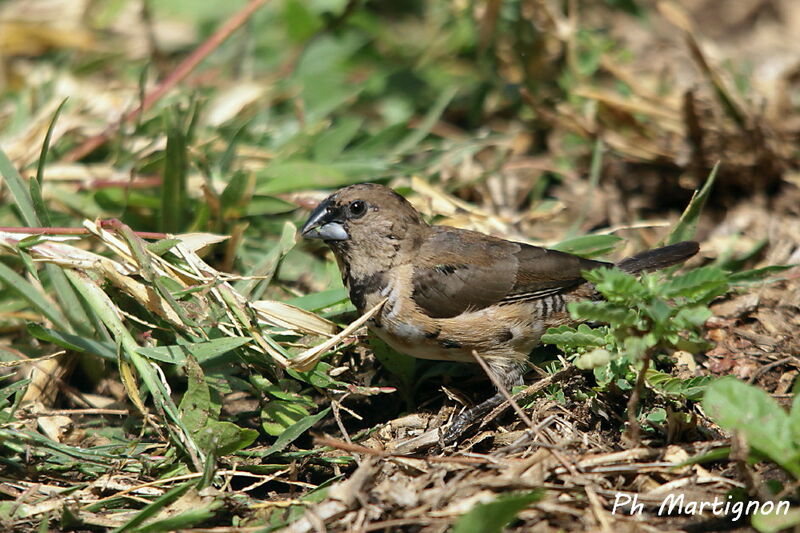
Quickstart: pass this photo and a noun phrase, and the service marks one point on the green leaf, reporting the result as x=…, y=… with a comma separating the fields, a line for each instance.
x=428, y=122
x=593, y=359
x=699, y=285
x=606, y=312
x=636, y=347
x=794, y=420
x=195, y=407
x=295, y=430
x=736, y=406
x=691, y=317
x=45, y=148
x=778, y=520
x=198, y=413
x=657, y=415
x=224, y=438
x=588, y=245
x=265, y=269
x=267, y=205
x=301, y=22
x=38, y=202
x=658, y=311
x=332, y=142
x=204, y=352
x=162, y=246
x=401, y=365
x=320, y=300
x=616, y=285
x=8, y=390
x=566, y=337
x=233, y=194
x=278, y=415
x=756, y=274
x=105, y=309
x=686, y=226
x=288, y=176
x=691, y=389
x=492, y=517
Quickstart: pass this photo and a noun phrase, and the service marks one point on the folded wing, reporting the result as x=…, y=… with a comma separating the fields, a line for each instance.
x=459, y=270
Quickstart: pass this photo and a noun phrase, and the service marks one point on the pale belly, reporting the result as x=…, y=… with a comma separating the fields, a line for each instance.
x=412, y=341
x=490, y=333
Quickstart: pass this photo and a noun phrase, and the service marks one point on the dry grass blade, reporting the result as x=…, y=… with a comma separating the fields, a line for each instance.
x=21, y=362
x=309, y=358
x=292, y=317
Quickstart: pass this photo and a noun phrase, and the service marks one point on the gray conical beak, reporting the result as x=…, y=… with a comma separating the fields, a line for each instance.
x=326, y=222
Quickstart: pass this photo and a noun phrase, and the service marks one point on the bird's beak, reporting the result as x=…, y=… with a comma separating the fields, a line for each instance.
x=326, y=222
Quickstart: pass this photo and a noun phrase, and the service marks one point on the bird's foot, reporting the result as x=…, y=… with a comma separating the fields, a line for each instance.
x=456, y=429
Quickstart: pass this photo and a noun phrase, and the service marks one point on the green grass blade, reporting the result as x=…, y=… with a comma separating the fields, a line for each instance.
x=105, y=309
x=28, y=292
x=173, y=189
x=687, y=224
x=35, y=191
x=183, y=520
x=295, y=430
x=74, y=343
x=71, y=306
x=595, y=168
x=19, y=191
x=266, y=268
x=428, y=122
x=46, y=143
x=159, y=503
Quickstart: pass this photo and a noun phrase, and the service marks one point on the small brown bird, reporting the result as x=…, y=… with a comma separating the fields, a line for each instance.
x=452, y=291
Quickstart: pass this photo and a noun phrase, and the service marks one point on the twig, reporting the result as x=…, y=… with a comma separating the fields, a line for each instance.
x=597, y=509
x=178, y=75
x=83, y=412
x=396, y=524
x=534, y=389
x=764, y=369
x=357, y=448
x=496, y=382
x=510, y=400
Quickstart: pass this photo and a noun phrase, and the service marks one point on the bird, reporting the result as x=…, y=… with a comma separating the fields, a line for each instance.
x=451, y=293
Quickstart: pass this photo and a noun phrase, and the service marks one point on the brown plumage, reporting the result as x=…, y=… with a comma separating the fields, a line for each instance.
x=452, y=291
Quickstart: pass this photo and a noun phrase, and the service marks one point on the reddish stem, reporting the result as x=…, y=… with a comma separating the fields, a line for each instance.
x=178, y=75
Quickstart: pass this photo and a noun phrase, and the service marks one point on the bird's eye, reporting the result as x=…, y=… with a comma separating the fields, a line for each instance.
x=357, y=209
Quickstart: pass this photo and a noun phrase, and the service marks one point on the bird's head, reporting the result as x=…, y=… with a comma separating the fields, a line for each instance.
x=369, y=220
x=362, y=212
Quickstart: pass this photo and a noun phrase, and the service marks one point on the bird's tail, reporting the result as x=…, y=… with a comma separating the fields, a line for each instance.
x=659, y=258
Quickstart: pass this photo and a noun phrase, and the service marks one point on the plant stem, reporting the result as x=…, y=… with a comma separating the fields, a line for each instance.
x=635, y=431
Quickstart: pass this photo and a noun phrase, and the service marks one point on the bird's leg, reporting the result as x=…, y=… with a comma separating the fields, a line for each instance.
x=509, y=374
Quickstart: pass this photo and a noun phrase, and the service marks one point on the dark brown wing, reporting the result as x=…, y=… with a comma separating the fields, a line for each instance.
x=458, y=270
